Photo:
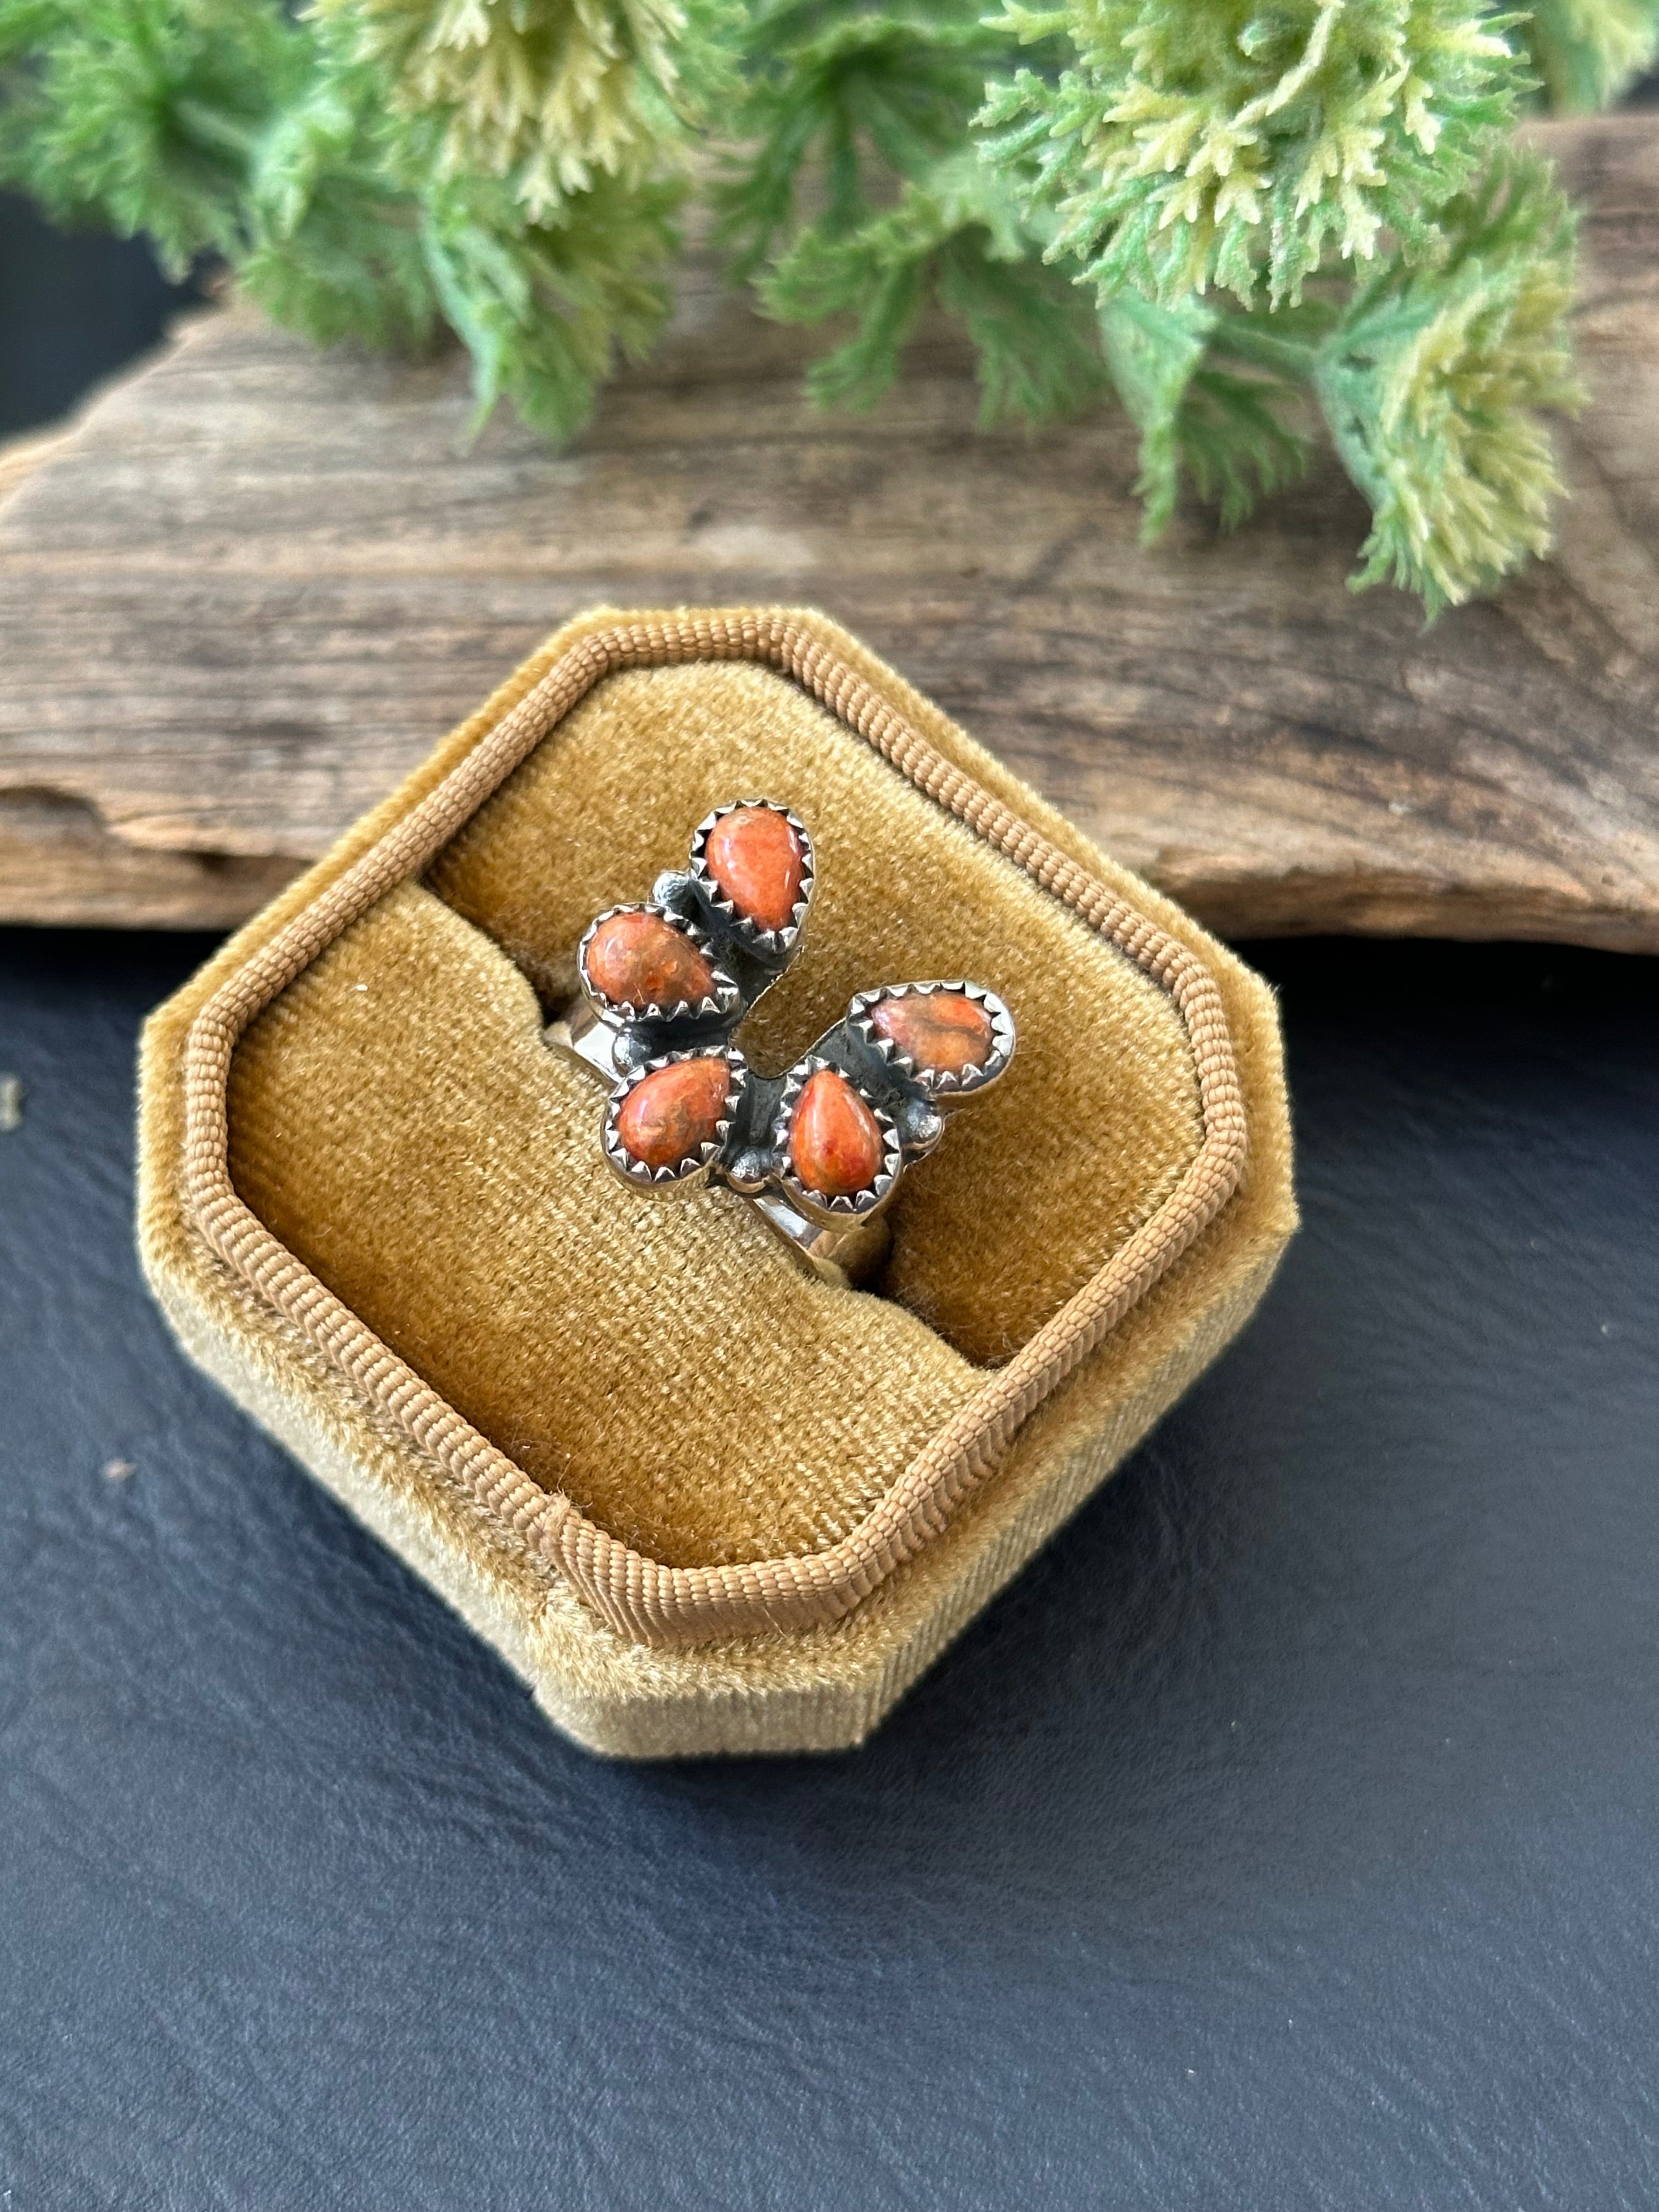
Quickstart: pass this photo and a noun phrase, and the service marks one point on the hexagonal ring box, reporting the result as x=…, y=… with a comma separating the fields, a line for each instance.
x=700, y=1501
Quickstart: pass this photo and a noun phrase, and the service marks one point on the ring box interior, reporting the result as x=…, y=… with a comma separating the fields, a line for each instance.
x=623, y=1432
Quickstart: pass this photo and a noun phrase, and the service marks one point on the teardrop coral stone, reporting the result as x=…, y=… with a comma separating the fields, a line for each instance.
x=675, y=1111
x=757, y=861
x=834, y=1143
x=636, y=959
x=941, y=1031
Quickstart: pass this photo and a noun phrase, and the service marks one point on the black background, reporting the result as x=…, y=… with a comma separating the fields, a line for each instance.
x=1285, y=1837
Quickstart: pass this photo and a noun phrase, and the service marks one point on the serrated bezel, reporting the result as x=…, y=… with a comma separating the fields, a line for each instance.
x=940, y=1085
x=856, y=1206
x=618, y=1013
x=694, y=1169
x=774, y=942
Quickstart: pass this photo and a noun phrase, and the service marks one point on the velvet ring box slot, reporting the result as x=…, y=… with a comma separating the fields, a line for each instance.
x=701, y=1502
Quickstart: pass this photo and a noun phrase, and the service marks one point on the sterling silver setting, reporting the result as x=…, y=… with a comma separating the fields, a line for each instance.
x=843, y=1207
x=618, y=1012
x=944, y=1085
x=776, y=942
x=693, y=1171
x=842, y=1238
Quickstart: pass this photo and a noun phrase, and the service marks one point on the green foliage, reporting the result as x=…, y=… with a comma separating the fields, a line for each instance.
x=1246, y=219
x=860, y=193
x=228, y=127
x=1586, y=52
x=143, y=116
x=1201, y=143
x=1342, y=168
x=1430, y=379
x=544, y=95
x=845, y=104
x=542, y=306
x=1208, y=416
x=955, y=237
x=332, y=240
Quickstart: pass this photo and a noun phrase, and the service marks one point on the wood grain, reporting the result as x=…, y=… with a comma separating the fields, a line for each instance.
x=253, y=585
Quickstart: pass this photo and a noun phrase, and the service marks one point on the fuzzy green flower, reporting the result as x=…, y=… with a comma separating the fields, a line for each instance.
x=544, y=93
x=332, y=244
x=1587, y=52
x=1200, y=143
x=1431, y=382
x=545, y=308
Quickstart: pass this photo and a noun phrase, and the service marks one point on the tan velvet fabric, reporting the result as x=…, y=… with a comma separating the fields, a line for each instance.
x=796, y=1690
x=398, y=1121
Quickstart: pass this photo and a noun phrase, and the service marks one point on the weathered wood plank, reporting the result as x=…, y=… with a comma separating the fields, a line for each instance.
x=253, y=584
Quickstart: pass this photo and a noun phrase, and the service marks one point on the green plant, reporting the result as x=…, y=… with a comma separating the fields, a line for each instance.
x=302, y=152
x=1245, y=218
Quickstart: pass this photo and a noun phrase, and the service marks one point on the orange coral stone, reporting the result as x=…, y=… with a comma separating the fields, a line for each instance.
x=638, y=960
x=756, y=860
x=942, y=1031
x=835, y=1142
x=665, y=1119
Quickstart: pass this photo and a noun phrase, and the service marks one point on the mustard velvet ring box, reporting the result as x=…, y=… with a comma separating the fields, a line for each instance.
x=702, y=1501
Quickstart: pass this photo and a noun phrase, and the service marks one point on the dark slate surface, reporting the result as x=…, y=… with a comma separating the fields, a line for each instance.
x=1285, y=1837
x=74, y=307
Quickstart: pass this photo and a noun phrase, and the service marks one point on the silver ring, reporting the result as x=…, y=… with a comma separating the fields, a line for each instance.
x=821, y=1149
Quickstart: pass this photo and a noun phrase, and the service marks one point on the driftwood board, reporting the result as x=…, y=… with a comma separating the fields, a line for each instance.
x=253, y=585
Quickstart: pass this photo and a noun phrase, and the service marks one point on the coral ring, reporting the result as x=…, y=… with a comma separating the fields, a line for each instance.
x=820, y=1149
